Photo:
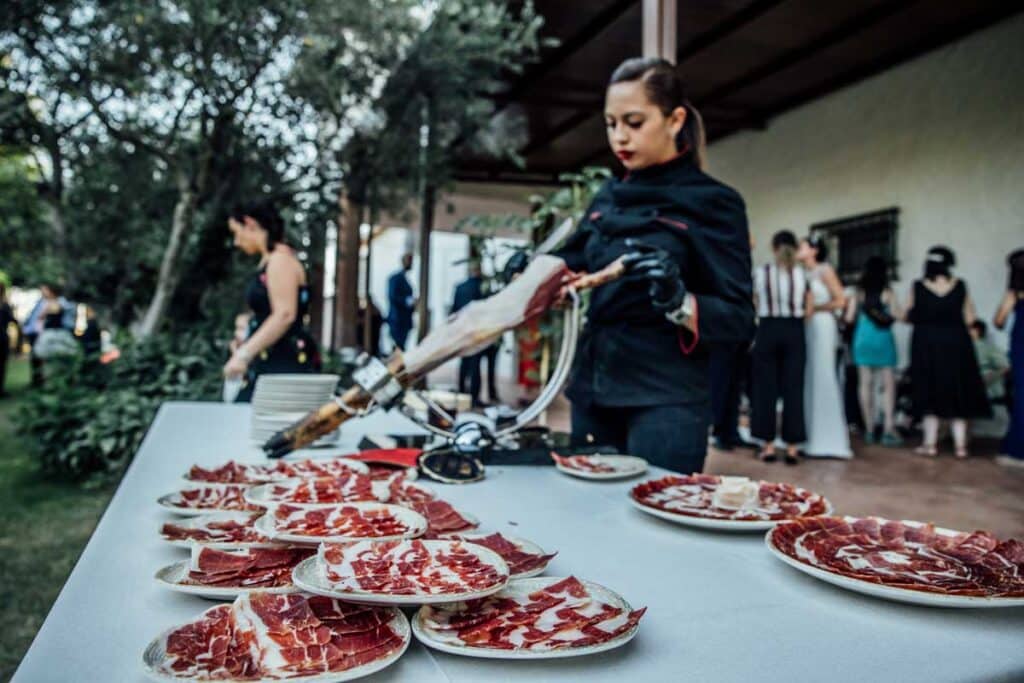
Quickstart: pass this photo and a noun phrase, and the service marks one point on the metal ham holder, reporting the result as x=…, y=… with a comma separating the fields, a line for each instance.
x=377, y=384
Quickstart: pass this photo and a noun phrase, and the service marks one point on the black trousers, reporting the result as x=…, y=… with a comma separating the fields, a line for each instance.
x=490, y=354
x=778, y=360
x=671, y=436
x=469, y=376
x=728, y=370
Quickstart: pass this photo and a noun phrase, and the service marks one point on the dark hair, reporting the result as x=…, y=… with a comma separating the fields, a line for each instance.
x=53, y=287
x=783, y=238
x=980, y=327
x=938, y=262
x=874, y=278
x=1016, y=262
x=784, y=245
x=265, y=213
x=665, y=90
x=818, y=245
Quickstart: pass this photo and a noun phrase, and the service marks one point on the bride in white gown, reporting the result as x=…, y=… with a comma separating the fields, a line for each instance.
x=825, y=419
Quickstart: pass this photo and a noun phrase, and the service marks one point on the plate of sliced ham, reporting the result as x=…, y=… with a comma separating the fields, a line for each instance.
x=225, y=574
x=726, y=503
x=400, y=491
x=263, y=637
x=311, y=524
x=905, y=561
x=233, y=472
x=409, y=572
x=217, y=530
x=524, y=558
x=600, y=467
x=346, y=487
x=442, y=518
x=206, y=498
x=540, y=618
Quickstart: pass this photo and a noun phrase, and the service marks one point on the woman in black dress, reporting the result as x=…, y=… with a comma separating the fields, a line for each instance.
x=640, y=380
x=278, y=296
x=945, y=379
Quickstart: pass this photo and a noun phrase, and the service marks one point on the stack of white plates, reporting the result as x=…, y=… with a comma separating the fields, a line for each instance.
x=281, y=400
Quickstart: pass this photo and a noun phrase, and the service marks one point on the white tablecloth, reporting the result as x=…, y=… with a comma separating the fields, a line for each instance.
x=720, y=607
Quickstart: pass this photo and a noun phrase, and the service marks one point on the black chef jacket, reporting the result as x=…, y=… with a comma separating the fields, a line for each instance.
x=629, y=354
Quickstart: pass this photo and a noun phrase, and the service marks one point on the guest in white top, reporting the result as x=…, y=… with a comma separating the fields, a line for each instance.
x=781, y=293
x=824, y=417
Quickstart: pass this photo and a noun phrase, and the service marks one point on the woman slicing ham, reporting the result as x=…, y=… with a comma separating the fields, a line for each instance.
x=640, y=380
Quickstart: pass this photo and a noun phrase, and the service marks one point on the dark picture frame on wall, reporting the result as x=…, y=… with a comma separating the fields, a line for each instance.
x=852, y=240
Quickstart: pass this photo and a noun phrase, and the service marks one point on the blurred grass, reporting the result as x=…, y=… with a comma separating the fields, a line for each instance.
x=44, y=525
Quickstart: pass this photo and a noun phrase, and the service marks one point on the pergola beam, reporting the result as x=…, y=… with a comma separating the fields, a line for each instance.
x=731, y=24
x=847, y=29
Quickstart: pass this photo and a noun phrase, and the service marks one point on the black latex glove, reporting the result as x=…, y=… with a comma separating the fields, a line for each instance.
x=667, y=289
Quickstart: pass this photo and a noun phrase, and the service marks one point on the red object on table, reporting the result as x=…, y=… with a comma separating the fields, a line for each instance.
x=399, y=457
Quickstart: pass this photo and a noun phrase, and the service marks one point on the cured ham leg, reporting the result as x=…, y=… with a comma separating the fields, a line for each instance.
x=542, y=285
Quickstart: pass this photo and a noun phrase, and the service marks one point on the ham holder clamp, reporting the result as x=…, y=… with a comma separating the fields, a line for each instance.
x=545, y=283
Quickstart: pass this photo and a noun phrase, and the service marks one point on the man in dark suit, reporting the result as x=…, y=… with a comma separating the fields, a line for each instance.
x=401, y=303
x=467, y=291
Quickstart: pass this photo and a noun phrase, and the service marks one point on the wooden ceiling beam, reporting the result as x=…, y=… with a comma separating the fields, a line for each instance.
x=727, y=26
x=847, y=29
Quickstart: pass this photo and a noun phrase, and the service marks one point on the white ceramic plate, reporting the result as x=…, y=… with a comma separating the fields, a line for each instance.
x=382, y=491
x=524, y=545
x=625, y=466
x=201, y=520
x=155, y=653
x=261, y=495
x=165, y=501
x=310, y=575
x=354, y=465
x=173, y=575
x=522, y=587
x=717, y=524
x=416, y=522
x=907, y=595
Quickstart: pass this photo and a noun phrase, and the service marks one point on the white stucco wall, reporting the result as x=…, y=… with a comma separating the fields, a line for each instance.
x=941, y=137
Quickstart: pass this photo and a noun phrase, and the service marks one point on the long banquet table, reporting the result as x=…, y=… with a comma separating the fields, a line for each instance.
x=720, y=607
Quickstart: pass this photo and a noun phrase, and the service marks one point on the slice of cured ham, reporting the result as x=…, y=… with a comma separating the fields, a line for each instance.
x=263, y=635
x=583, y=463
x=409, y=567
x=216, y=528
x=350, y=521
x=402, y=492
x=347, y=487
x=442, y=518
x=564, y=614
x=238, y=473
x=907, y=555
x=695, y=495
x=220, y=497
x=248, y=568
x=518, y=560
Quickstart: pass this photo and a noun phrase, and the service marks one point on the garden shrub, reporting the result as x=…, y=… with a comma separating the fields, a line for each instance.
x=88, y=419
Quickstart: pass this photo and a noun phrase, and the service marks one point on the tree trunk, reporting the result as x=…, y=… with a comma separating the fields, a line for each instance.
x=429, y=199
x=346, y=291
x=426, y=227
x=367, y=339
x=167, y=280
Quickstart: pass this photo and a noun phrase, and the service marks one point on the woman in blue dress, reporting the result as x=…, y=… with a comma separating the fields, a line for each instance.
x=1013, y=302
x=875, y=309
